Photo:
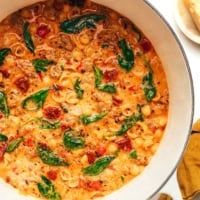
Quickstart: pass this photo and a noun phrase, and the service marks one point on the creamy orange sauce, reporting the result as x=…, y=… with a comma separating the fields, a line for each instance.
x=74, y=56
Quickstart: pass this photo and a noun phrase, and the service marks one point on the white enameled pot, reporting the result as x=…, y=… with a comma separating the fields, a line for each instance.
x=181, y=107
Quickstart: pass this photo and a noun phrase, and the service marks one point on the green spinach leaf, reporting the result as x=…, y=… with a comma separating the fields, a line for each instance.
x=27, y=38
x=149, y=87
x=73, y=142
x=3, y=53
x=14, y=144
x=130, y=121
x=109, y=88
x=79, y=91
x=77, y=24
x=49, y=157
x=3, y=138
x=98, y=74
x=99, y=166
x=36, y=100
x=88, y=119
x=47, y=189
x=45, y=124
x=3, y=104
x=133, y=154
x=126, y=61
x=41, y=65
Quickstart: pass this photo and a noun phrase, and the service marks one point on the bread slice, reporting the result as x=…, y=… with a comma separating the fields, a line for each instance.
x=194, y=8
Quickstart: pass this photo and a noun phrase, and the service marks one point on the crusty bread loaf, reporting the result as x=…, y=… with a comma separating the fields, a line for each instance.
x=194, y=9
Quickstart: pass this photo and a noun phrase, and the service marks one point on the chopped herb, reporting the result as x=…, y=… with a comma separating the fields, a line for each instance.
x=3, y=138
x=77, y=24
x=130, y=121
x=3, y=53
x=79, y=91
x=73, y=142
x=3, y=104
x=149, y=87
x=45, y=124
x=133, y=154
x=49, y=157
x=27, y=37
x=36, y=100
x=14, y=144
x=109, y=88
x=41, y=65
x=88, y=119
x=122, y=179
x=99, y=166
x=48, y=190
x=126, y=61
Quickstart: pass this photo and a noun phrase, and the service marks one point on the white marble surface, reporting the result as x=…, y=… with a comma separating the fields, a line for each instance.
x=192, y=50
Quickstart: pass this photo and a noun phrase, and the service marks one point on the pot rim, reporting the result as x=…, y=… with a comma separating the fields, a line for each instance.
x=149, y=4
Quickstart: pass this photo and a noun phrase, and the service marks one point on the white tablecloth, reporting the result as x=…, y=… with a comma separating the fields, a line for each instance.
x=192, y=51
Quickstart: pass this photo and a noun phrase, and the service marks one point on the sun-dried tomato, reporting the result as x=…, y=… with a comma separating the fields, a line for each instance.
x=52, y=175
x=91, y=155
x=52, y=112
x=124, y=144
x=116, y=101
x=90, y=185
x=3, y=148
x=145, y=45
x=22, y=83
x=42, y=31
x=110, y=75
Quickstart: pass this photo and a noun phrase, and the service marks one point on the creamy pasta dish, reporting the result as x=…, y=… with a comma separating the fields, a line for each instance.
x=83, y=100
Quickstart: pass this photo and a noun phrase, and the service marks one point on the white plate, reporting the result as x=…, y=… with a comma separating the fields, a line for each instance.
x=185, y=22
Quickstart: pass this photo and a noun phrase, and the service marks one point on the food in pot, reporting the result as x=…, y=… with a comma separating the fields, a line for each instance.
x=83, y=100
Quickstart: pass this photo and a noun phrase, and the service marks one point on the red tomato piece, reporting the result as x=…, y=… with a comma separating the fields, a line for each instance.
x=40, y=75
x=90, y=185
x=116, y=101
x=52, y=175
x=124, y=144
x=133, y=88
x=110, y=75
x=52, y=112
x=101, y=150
x=91, y=155
x=42, y=31
x=3, y=148
x=65, y=126
x=95, y=185
x=5, y=73
x=22, y=84
x=145, y=45
x=1, y=115
x=29, y=142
